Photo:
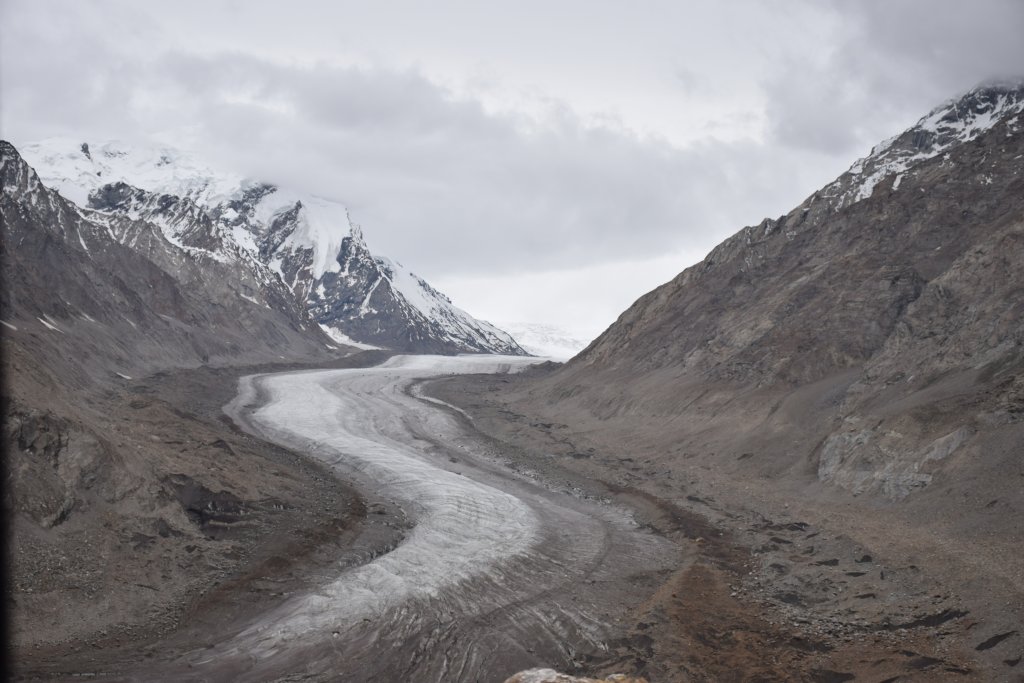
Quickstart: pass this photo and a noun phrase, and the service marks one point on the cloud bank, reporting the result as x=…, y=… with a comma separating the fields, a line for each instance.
x=522, y=148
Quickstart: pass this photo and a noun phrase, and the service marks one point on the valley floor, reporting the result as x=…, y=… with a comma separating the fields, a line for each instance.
x=787, y=580
x=604, y=560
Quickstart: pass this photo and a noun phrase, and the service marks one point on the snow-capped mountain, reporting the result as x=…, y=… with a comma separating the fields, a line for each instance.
x=956, y=121
x=547, y=341
x=306, y=241
x=90, y=290
x=374, y=299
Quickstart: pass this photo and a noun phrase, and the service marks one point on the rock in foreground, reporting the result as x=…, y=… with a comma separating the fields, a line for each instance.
x=552, y=676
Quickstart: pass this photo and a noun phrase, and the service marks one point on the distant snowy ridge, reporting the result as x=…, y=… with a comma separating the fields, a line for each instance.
x=307, y=241
x=546, y=341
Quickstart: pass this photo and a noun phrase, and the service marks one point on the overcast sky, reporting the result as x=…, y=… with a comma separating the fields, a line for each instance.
x=538, y=161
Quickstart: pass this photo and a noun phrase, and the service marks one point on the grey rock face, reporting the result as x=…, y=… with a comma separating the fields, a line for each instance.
x=183, y=218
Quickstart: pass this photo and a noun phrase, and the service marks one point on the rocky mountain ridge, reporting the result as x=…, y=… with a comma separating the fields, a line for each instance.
x=898, y=278
x=737, y=265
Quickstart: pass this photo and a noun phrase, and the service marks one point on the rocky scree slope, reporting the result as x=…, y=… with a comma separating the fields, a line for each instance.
x=306, y=241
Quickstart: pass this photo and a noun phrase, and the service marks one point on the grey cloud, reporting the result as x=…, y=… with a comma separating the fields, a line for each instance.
x=942, y=45
x=688, y=79
x=434, y=179
x=892, y=60
x=439, y=181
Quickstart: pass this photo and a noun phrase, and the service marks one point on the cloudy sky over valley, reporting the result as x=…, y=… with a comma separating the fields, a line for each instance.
x=539, y=161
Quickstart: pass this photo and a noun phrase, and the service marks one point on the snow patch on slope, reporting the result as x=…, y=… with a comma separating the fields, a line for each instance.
x=321, y=226
x=415, y=291
x=953, y=123
x=340, y=337
x=77, y=169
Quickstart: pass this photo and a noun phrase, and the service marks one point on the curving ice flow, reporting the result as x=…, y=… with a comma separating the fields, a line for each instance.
x=350, y=418
x=495, y=574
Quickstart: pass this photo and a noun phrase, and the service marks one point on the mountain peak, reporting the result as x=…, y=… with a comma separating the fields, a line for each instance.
x=963, y=118
x=955, y=122
x=77, y=168
x=355, y=231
